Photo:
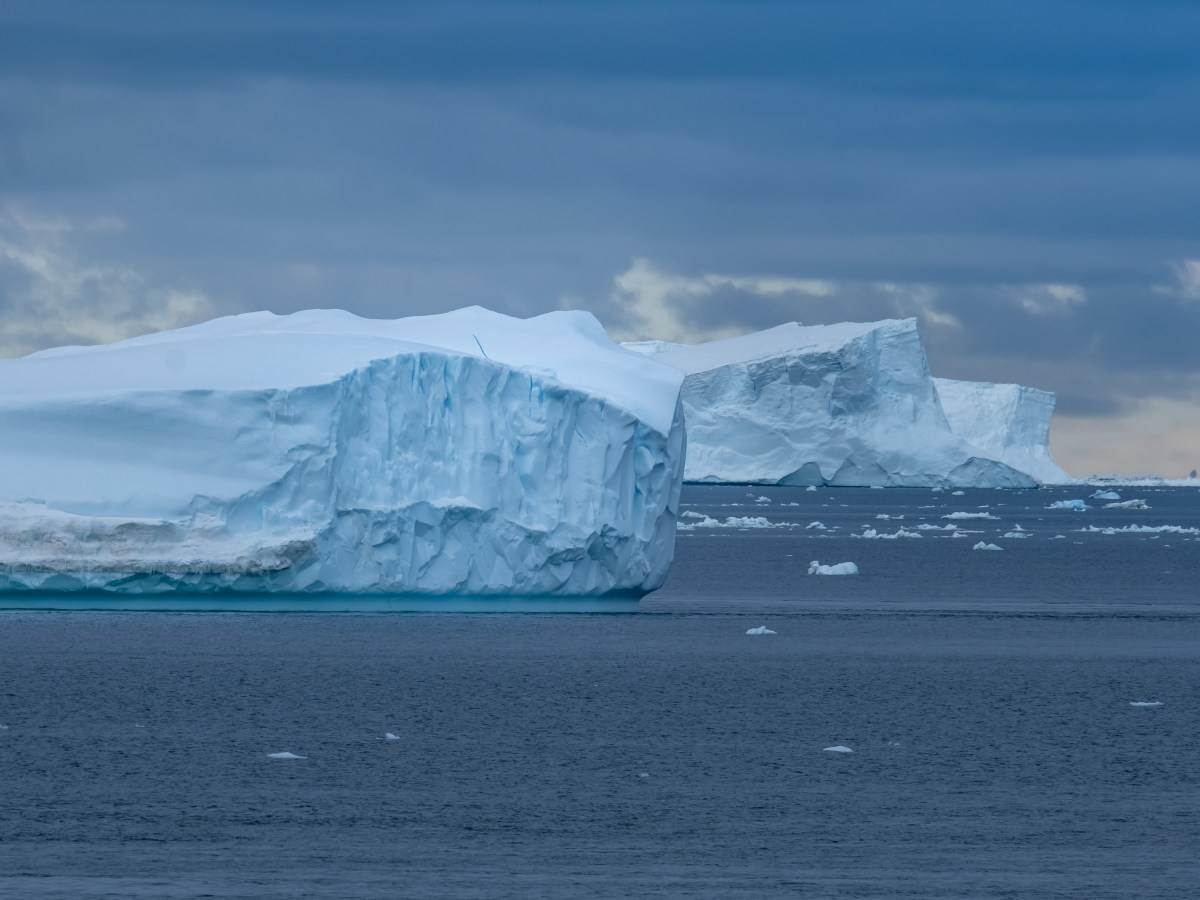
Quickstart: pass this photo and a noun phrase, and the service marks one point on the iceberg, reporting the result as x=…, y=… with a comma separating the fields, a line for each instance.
x=850, y=404
x=761, y=629
x=1008, y=422
x=845, y=568
x=468, y=453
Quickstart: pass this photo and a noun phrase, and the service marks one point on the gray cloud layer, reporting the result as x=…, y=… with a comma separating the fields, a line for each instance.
x=1022, y=176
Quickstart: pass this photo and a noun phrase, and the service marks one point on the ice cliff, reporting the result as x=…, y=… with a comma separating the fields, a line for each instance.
x=1009, y=422
x=467, y=453
x=847, y=404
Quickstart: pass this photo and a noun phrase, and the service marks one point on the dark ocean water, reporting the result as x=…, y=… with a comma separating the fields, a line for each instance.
x=656, y=753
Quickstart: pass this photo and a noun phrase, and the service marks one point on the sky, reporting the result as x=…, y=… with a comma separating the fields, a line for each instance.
x=1022, y=177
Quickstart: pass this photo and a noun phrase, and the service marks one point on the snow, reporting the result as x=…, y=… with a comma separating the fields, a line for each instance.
x=840, y=748
x=982, y=546
x=1076, y=505
x=851, y=404
x=1009, y=422
x=846, y=568
x=285, y=755
x=761, y=629
x=468, y=453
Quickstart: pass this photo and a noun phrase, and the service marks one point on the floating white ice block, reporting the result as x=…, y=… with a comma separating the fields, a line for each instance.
x=845, y=568
x=465, y=453
x=838, y=749
x=285, y=755
x=761, y=629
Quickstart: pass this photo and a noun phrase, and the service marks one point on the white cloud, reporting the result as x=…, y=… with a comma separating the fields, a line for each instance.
x=1047, y=299
x=1187, y=278
x=50, y=295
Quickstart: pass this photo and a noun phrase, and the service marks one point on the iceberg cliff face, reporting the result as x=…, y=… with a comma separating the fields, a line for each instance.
x=1009, y=422
x=468, y=453
x=849, y=404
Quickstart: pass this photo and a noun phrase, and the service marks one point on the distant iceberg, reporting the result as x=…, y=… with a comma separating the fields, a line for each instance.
x=850, y=404
x=465, y=453
x=1009, y=422
x=845, y=568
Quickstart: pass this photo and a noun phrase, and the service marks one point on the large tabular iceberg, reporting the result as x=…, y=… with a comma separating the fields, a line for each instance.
x=849, y=404
x=467, y=453
x=1009, y=422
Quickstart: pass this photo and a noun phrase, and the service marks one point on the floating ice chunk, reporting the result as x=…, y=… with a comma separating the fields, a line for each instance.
x=820, y=526
x=872, y=534
x=285, y=755
x=1105, y=495
x=1017, y=527
x=936, y=490
x=1145, y=703
x=761, y=629
x=1059, y=537
x=1145, y=529
x=747, y=522
x=643, y=774
x=811, y=488
x=840, y=748
x=762, y=499
x=886, y=516
x=391, y=737
x=1128, y=504
x=957, y=493
x=982, y=546
x=846, y=568
x=692, y=514
x=926, y=526
x=1016, y=534
x=1076, y=505
x=968, y=515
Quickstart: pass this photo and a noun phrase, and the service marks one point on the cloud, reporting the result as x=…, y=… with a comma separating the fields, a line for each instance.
x=1187, y=279
x=50, y=295
x=1048, y=299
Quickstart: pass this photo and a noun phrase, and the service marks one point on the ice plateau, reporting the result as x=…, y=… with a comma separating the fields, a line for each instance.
x=465, y=453
x=850, y=404
x=1009, y=422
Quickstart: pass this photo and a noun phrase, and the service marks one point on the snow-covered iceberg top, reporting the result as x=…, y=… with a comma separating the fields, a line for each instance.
x=463, y=453
x=850, y=404
x=1009, y=422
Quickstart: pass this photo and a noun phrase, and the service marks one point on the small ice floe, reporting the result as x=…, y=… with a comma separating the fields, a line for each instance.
x=136, y=725
x=872, y=534
x=1128, y=504
x=1148, y=529
x=982, y=546
x=967, y=515
x=886, y=516
x=840, y=748
x=692, y=514
x=391, y=737
x=820, y=526
x=285, y=755
x=1075, y=505
x=761, y=629
x=762, y=499
x=846, y=568
x=811, y=487
x=1145, y=703
x=957, y=493
x=1105, y=495
x=643, y=774
x=1016, y=534
x=1059, y=537
x=877, y=487
x=926, y=526
x=936, y=490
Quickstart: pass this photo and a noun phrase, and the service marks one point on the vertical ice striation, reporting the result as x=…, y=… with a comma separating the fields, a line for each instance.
x=468, y=453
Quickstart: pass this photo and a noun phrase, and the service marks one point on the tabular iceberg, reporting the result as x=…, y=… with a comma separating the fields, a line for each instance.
x=466, y=453
x=1009, y=422
x=850, y=404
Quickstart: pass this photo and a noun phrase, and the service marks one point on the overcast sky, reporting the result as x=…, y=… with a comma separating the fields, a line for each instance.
x=1024, y=177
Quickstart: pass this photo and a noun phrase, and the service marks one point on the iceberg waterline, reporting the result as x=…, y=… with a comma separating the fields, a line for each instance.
x=469, y=453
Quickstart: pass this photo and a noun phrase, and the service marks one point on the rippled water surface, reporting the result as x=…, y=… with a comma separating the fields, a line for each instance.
x=659, y=752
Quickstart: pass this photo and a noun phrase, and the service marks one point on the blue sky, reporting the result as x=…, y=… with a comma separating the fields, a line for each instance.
x=1023, y=177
